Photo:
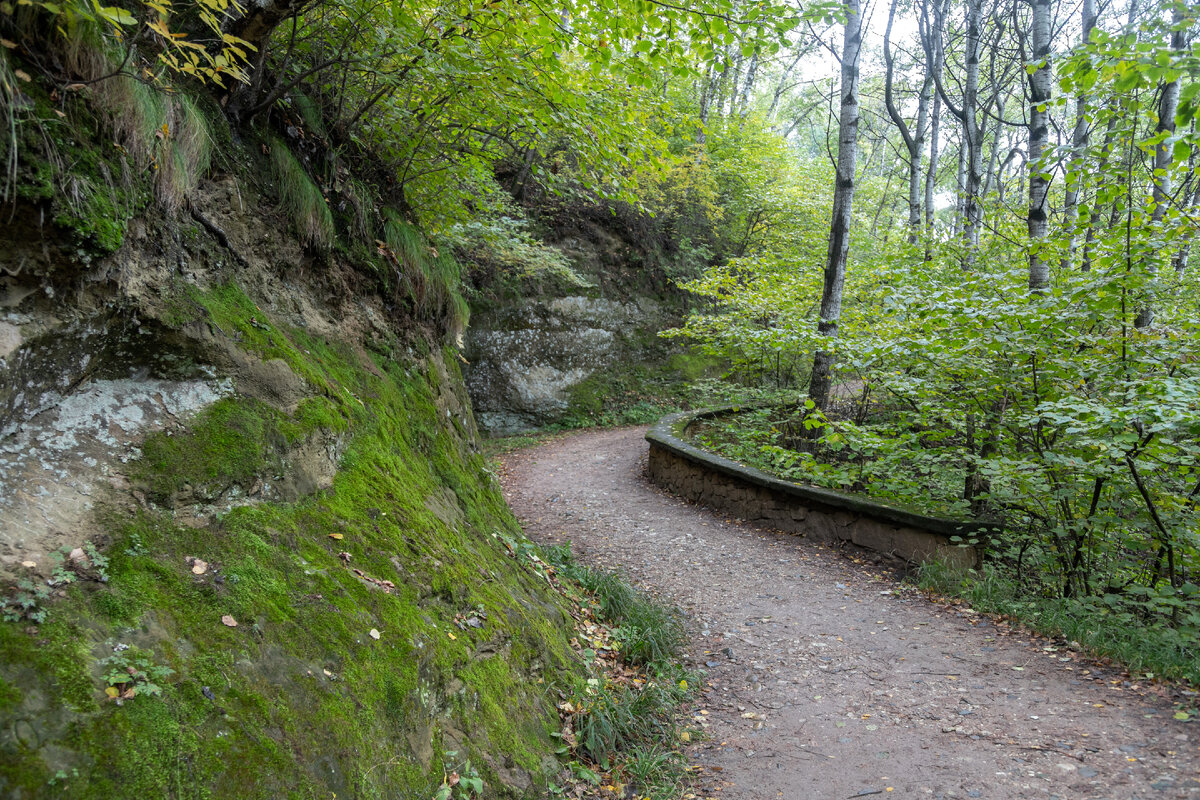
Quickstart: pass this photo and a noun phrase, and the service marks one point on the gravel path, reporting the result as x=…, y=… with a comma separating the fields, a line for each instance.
x=827, y=679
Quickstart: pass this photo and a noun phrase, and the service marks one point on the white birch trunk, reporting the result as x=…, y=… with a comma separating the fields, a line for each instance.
x=843, y=198
x=1039, y=134
x=1079, y=143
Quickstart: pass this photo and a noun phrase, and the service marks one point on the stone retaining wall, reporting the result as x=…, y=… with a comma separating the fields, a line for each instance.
x=705, y=477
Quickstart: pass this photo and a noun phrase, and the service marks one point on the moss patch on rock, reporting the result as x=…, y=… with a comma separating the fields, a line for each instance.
x=351, y=670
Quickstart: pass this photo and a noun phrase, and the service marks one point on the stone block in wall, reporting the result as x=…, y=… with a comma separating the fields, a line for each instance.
x=845, y=519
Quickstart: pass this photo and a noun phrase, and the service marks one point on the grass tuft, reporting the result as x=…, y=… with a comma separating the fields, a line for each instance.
x=186, y=154
x=650, y=633
x=301, y=198
x=430, y=278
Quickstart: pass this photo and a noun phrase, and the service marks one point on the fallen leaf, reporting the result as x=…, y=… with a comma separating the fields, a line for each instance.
x=336, y=536
x=22, y=74
x=228, y=621
x=1182, y=715
x=684, y=736
x=8, y=44
x=28, y=564
x=451, y=635
x=199, y=567
x=373, y=633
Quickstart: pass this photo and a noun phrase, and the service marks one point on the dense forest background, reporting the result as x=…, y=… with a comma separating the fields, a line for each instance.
x=949, y=242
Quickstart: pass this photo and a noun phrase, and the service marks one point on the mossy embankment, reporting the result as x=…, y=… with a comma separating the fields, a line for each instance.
x=383, y=633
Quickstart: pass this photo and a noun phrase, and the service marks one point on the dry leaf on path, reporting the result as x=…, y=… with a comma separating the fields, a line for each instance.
x=228, y=621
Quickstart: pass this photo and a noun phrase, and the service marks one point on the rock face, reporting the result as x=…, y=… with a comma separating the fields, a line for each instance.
x=525, y=358
x=77, y=396
x=240, y=511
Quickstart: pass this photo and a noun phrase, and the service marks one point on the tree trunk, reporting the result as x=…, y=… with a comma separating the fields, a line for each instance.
x=1168, y=104
x=960, y=188
x=748, y=85
x=931, y=40
x=1039, y=135
x=706, y=95
x=1079, y=143
x=914, y=140
x=972, y=212
x=931, y=174
x=995, y=168
x=782, y=86
x=843, y=198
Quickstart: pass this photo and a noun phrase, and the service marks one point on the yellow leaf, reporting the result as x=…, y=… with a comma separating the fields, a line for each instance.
x=112, y=692
x=336, y=536
x=451, y=635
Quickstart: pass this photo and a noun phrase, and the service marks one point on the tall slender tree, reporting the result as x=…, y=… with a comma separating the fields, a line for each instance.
x=1079, y=142
x=843, y=203
x=1039, y=69
x=914, y=139
x=1168, y=103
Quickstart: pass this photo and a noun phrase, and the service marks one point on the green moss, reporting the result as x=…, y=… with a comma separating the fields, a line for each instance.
x=299, y=699
x=93, y=187
x=230, y=443
x=10, y=695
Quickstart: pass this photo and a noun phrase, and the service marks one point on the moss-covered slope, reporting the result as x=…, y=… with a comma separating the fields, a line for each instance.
x=384, y=635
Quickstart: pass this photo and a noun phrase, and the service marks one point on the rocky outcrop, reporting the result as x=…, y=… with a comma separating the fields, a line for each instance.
x=240, y=514
x=525, y=359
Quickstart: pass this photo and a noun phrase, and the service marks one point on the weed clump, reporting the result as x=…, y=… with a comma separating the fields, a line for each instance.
x=301, y=198
x=627, y=727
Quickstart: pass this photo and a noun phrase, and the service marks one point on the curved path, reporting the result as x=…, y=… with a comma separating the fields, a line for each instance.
x=828, y=680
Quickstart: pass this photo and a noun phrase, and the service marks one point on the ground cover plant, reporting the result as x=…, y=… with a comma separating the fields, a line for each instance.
x=622, y=728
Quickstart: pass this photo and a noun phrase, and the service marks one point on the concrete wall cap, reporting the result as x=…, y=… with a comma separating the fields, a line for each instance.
x=667, y=433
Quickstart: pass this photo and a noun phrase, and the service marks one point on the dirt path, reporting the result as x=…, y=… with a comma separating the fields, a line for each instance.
x=828, y=680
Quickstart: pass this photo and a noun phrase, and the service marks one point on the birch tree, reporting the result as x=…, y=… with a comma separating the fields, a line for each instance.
x=1168, y=103
x=843, y=198
x=1039, y=130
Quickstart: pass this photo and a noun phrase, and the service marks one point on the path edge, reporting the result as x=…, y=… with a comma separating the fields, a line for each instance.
x=705, y=477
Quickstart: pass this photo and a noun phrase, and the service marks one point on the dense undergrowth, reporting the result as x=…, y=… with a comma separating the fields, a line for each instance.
x=1051, y=416
x=775, y=440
